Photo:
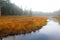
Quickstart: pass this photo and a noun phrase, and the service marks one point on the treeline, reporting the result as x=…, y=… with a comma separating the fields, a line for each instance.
x=55, y=13
x=8, y=9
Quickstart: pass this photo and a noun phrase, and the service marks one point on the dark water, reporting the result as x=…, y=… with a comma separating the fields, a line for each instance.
x=49, y=32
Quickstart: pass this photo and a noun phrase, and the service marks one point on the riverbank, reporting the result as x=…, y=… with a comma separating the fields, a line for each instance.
x=57, y=17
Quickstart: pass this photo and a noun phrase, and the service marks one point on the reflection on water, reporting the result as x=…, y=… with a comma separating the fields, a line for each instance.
x=50, y=31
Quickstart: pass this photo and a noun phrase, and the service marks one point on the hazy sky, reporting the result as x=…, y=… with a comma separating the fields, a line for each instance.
x=38, y=5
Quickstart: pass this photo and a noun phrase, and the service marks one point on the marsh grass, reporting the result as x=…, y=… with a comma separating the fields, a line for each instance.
x=13, y=25
x=57, y=17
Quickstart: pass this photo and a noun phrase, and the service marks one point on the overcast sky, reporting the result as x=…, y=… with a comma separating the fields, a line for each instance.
x=38, y=5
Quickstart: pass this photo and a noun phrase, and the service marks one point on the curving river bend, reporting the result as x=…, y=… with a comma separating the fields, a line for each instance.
x=51, y=31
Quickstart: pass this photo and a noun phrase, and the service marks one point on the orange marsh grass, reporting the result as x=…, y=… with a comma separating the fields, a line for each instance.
x=11, y=25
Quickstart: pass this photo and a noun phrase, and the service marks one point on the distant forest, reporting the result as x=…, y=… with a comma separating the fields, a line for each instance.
x=7, y=8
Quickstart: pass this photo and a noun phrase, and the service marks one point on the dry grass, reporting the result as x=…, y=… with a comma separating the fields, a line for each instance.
x=11, y=25
x=57, y=17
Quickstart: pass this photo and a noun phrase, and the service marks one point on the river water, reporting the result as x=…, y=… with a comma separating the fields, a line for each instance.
x=51, y=31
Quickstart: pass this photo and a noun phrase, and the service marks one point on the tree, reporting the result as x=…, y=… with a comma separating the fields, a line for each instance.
x=0, y=10
x=8, y=1
x=8, y=8
x=30, y=12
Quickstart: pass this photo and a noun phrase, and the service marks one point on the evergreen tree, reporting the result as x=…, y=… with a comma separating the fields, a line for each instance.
x=8, y=8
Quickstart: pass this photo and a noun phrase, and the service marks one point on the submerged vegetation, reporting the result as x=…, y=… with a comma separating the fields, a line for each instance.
x=12, y=25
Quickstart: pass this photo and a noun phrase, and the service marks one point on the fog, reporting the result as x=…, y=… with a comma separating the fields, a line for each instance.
x=34, y=8
x=38, y=5
x=8, y=7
